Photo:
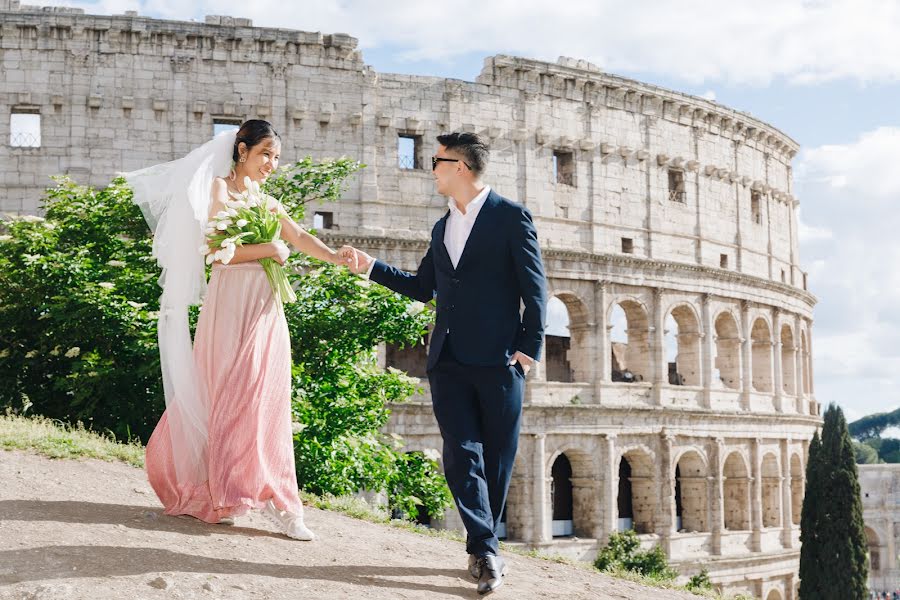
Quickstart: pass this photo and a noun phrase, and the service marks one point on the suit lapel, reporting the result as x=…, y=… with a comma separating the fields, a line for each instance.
x=437, y=242
x=481, y=229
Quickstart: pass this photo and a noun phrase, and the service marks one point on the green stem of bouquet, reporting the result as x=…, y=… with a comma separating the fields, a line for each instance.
x=281, y=287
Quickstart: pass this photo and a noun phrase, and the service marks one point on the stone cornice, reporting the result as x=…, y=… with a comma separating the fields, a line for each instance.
x=589, y=78
x=623, y=260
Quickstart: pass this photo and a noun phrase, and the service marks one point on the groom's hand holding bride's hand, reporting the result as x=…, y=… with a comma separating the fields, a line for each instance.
x=356, y=260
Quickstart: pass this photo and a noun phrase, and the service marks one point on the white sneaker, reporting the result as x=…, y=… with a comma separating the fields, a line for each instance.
x=288, y=523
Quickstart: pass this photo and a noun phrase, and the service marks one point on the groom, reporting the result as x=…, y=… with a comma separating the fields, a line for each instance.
x=483, y=264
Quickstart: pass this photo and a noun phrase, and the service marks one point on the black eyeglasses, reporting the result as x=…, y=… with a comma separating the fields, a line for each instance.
x=435, y=160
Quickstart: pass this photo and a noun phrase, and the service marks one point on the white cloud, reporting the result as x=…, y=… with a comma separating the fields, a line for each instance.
x=709, y=95
x=695, y=40
x=848, y=234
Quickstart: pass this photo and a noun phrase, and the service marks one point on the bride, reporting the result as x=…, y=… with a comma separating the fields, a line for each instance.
x=224, y=444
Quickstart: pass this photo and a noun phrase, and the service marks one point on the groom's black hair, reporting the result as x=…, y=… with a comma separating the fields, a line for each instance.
x=251, y=133
x=471, y=146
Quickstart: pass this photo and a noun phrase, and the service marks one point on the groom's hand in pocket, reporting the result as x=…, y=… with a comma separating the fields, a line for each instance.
x=523, y=359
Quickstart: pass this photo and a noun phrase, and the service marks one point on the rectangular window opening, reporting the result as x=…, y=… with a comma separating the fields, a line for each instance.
x=323, y=220
x=627, y=245
x=564, y=167
x=677, y=191
x=25, y=128
x=755, y=210
x=409, y=151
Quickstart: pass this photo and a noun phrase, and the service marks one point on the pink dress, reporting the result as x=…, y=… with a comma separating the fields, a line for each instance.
x=242, y=352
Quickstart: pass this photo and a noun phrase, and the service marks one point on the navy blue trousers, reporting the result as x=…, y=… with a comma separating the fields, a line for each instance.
x=478, y=410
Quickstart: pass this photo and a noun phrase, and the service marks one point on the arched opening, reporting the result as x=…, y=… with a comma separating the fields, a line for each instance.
x=796, y=489
x=873, y=545
x=682, y=340
x=761, y=339
x=773, y=595
x=691, y=494
x=567, y=340
x=771, y=492
x=630, y=342
x=788, y=362
x=410, y=359
x=557, y=340
x=737, y=493
x=728, y=352
x=561, y=496
x=637, y=497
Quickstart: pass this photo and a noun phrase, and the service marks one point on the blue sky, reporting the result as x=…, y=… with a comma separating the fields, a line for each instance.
x=826, y=72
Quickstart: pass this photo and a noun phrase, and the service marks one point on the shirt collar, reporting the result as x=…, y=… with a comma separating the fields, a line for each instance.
x=474, y=205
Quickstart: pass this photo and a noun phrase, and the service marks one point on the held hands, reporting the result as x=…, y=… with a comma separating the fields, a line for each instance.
x=526, y=361
x=356, y=260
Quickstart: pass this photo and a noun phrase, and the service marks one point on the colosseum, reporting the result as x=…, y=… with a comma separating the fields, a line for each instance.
x=676, y=395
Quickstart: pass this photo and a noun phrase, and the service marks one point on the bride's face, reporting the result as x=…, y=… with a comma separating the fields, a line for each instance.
x=262, y=159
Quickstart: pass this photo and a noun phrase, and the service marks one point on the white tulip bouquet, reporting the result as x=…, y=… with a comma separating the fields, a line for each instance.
x=250, y=217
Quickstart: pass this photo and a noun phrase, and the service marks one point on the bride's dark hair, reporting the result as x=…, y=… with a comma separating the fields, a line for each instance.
x=251, y=133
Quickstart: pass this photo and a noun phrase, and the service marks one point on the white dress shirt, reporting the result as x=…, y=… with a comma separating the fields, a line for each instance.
x=459, y=225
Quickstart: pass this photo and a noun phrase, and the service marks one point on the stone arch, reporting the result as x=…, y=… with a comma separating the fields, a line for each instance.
x=637, y=491
x=584, y=512
x=728, y=351
x=761, y=363
x=771, y=491
x=788, y=362
x=691, y=492
x=797, y=484
x=774, y=594
x=873, y=545
x=561, y=503
x=682, y=334
x=567, y=344
x=737, y=492
x=630, y=359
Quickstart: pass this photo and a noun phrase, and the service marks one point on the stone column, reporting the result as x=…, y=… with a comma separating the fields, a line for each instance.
x=778, y=379
x=786, y=504
x=756, y=495
x=717, y=506
x=798, y=367
x=809, y=361
x=610, y=487
x=540, y=501
x=658, y=365
x=707, y=350
x=603, y=347
x=667, y=490
x=746, y=356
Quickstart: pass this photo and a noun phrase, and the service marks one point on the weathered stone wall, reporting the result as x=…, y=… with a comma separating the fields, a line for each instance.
x=725, y=441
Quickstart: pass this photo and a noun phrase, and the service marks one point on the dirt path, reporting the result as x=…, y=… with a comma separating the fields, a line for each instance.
x=94, y=530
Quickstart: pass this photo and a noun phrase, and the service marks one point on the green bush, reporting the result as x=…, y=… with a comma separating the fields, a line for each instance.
x=623, y=552
x=78, y=302
x=699, y=582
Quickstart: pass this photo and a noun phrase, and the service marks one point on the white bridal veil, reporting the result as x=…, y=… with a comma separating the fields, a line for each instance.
x=175, y=199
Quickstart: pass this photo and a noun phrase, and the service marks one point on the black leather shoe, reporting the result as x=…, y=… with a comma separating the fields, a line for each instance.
x=493, y=569
x=474, y=567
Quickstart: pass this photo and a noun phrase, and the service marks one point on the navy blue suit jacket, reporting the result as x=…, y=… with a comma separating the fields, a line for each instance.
x=479, y=301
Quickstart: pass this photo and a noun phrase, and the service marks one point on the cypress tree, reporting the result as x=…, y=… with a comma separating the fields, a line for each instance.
x=836, y=566
x=810, y=577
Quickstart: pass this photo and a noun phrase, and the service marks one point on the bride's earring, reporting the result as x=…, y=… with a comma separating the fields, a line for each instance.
x=243, y=159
